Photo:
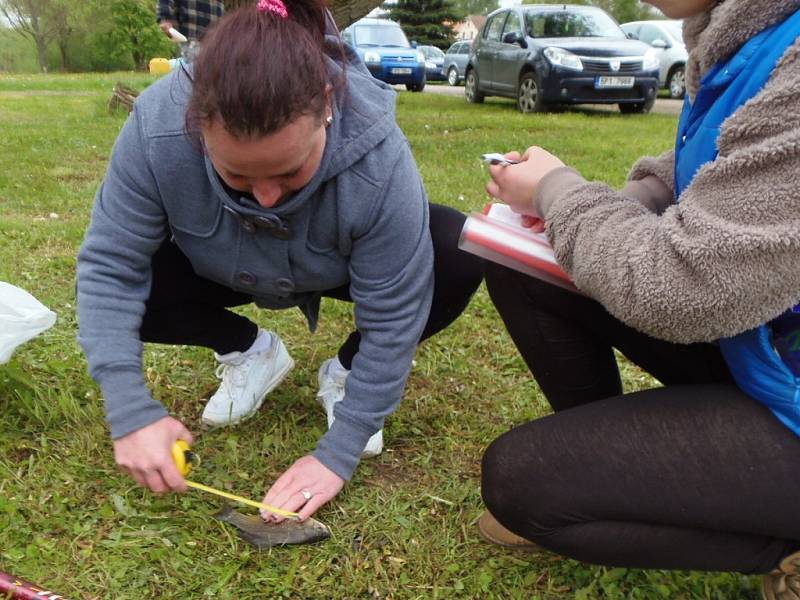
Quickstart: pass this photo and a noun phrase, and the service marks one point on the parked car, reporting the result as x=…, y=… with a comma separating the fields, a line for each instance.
x=455, y=62
x=385, y=50
x=560, y=54
x=434, y=59
x=666, y=37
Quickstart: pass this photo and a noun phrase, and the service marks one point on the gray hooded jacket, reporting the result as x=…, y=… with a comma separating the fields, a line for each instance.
x=362, y=219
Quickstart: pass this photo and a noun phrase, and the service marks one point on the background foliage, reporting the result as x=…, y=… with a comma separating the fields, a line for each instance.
x=106, y=35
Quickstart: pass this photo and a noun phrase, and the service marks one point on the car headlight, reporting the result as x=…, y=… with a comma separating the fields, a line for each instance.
x=372, y=57
x=650, y=62
x=563, y=58
x=430, y=65
x=420, y=57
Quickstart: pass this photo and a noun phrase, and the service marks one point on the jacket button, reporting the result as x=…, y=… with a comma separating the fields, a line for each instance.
x=246, y=277
x=285, y=285
x=248, y=226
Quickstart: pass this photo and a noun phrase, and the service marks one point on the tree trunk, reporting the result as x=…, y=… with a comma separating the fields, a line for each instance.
x=344, y=12
x=62, y=47
x=41, y=51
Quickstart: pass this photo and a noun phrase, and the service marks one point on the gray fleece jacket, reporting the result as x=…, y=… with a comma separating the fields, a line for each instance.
x=726, y=258
x=362, y=220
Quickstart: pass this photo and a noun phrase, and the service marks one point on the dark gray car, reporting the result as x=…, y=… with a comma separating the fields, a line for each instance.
x=455, y=62
x=561, y=54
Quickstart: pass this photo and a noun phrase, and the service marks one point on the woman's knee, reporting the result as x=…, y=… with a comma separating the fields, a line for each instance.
x=517, y=482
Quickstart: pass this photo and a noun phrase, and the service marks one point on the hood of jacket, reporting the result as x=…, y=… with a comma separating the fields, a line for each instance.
x=363, y=116
x=717, y=33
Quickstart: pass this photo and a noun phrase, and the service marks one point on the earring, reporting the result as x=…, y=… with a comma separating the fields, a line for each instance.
x=328, y=120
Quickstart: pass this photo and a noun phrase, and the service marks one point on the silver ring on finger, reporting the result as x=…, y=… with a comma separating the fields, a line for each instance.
x=306, y=494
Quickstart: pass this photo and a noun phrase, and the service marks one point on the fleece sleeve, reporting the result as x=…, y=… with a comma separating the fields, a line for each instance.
x=391, y=284
x=724, y=259
x=128, y=225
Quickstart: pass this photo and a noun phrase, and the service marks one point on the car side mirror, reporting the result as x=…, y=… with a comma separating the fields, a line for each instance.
x=659, y=43
x=413, y=44
x=515, y=37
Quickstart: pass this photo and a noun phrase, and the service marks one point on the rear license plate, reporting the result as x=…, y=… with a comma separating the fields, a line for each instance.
x=613, y=82
x=401, y=71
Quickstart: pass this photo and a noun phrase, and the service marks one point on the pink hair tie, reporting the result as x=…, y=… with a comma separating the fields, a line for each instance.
x=276, y=7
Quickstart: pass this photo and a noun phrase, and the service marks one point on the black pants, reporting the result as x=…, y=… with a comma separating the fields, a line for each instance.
x=694, y=475
x=184, y=308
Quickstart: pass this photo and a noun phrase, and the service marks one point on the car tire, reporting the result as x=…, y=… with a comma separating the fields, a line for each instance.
x=529, y=95
x=416, y=87
x=452, y=76
x=471, y=88
x=676, y=82
x=638, y=108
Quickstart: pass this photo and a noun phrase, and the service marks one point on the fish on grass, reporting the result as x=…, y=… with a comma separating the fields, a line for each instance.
x=253, y=529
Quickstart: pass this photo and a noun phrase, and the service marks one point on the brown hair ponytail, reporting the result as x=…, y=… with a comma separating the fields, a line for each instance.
x=257, y=70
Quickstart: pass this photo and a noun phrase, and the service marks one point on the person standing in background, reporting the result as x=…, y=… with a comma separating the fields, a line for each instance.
x=191, y=18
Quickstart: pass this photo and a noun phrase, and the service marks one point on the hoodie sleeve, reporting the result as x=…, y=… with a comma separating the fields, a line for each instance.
x=723, y=260
x=128, y=225
x=391, y=284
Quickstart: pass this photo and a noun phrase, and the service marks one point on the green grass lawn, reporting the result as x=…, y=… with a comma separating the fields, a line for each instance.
x=405, y=526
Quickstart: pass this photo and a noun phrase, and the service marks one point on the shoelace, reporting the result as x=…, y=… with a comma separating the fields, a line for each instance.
x=233, y=376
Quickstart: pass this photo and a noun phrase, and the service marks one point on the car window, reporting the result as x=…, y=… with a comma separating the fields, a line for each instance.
x=463, y=48
x=675, y=29
x=632, y=30
x=494, y=27
x=513, y=24
x=577, y=23
x=380, y=35
x=432, y=52
x=649, y=33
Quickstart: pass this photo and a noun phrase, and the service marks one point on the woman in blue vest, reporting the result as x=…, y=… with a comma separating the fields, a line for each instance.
x=692, y=271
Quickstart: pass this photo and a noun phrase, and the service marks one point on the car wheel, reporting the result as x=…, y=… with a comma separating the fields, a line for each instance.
x=471, y=88
x=529, y=97
x=415, y=87
x=676, y=83
x=637, y=108
x=452, y=76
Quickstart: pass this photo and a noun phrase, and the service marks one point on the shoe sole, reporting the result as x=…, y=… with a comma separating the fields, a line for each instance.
x=280, y=377
x=528, y=547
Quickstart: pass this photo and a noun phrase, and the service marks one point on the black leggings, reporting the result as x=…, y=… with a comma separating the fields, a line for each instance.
x=694, y=475
x=184, y=308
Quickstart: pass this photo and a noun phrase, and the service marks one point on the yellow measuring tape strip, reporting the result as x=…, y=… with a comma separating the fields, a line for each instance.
x=180, y=450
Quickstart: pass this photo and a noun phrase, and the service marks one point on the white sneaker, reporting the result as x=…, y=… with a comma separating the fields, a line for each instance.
x=331, y=391
x=246, y=380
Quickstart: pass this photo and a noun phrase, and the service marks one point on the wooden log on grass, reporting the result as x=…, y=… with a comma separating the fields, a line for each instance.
x=122, y=97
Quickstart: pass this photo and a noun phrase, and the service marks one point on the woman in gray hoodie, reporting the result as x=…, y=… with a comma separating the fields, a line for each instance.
x=273, y=172
x=692, y=271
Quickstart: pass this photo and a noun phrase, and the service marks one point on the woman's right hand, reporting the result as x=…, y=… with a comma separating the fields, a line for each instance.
x=516, y=184
x=146, y=455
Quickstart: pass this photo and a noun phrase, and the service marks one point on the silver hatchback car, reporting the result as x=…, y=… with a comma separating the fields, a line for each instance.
x=666, y=37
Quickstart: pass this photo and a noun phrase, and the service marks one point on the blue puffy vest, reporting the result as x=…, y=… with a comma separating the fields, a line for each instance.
x=752, y=358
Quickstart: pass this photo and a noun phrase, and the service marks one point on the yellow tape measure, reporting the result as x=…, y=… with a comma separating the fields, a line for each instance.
x=185, y=459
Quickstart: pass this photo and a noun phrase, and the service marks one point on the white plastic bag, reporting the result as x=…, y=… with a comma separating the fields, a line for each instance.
x=21, y=317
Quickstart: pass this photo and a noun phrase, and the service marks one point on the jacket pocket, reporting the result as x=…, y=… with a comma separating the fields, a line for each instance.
x=197, y=220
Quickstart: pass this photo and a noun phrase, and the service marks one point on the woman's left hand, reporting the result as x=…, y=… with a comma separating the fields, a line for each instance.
x=303, y=488
x=516, y=184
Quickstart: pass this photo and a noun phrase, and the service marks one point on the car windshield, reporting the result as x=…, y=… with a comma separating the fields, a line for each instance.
x=380, y=35
x=675, y=29
x=574, y=23
x=431, y=52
